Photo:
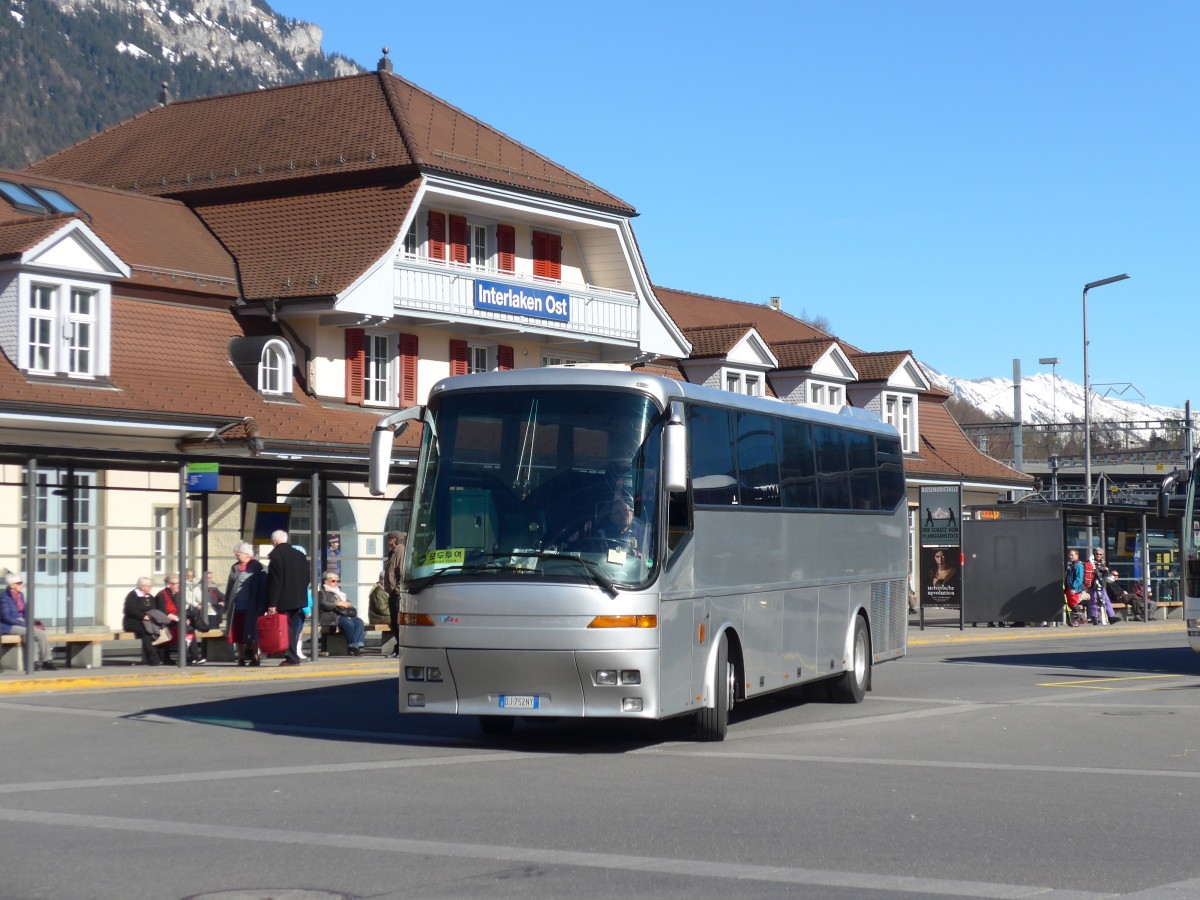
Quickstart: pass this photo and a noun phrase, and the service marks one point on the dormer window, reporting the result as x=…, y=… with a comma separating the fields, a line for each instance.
x=900, y=411
x=62, y=327
x=274, y=368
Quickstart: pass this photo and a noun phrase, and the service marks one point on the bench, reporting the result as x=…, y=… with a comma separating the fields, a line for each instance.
x=1168, y=609
x=83, y=648
x=335, y=641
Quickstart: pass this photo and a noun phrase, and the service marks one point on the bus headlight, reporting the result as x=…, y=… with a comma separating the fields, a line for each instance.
x=631, y=676
x=433, y=674
x=605, y=676
x=416, y=700
x=631, y=704
x=414, y=673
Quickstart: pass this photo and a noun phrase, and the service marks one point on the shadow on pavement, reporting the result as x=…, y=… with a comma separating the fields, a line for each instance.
x=365, y=712
x=1142, y=660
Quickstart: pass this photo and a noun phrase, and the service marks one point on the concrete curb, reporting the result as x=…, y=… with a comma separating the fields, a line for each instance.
x=54, y=682
x=949, y=634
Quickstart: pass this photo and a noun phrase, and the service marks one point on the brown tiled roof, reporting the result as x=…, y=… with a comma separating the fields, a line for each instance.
x=185, y=369
x=700, y=310
x=801, y=354
x=376, y=122
x=309, y=244
x=663, y=369
x=878, y=366
x=945, y=451
x=715, y=340
x=18, y=236
x=161, y=240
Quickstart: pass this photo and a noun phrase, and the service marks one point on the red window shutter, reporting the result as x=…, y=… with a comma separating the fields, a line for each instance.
x=504, y=358
x=458, y=357
x=356, y=361
x=408, y=370
x=506, y=247
x=458, y=240
x=437, y=235
x=547, y=255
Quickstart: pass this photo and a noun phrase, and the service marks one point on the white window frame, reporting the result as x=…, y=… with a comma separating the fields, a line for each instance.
x=274, y=368
x=479, y=254
x=900, y=411
x=816, y=393
x=164, y=538
x=559, y=359
x=380, y=372
x=411, y=242
x=61, y=341
x=480, y=353
x=835, y=395
x=753, y=386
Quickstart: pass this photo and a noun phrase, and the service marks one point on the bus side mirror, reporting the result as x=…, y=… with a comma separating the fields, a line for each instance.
x=676, y=454
x=381, y=446
x=1169, y=484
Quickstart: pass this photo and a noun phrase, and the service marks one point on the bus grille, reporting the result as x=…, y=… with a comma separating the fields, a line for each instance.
x=889, y=616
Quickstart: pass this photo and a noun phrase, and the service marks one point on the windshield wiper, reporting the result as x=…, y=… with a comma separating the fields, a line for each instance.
x=601, y=581
x=419, y=584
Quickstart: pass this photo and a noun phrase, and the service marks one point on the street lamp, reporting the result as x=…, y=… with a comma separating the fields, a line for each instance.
x=1052, y=361
x=1087, y=401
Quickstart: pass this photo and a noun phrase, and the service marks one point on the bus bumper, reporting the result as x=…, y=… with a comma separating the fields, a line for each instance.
x=572, y=683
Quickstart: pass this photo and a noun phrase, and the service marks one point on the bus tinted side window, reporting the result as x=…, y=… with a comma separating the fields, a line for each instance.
x=864, y=483
x=891, y=473
x=833, y=479
x=710, y=444
x=798, y=468
x=757, y=459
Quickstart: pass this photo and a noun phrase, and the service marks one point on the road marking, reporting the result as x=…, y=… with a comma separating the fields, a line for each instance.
x=728, y=871
x=1101, y=684
x=492, y=756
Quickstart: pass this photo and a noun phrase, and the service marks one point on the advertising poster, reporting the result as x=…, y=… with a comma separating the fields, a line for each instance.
x=941, y=546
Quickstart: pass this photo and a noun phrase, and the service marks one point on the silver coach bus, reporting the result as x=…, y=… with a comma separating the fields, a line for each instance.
x=613, y=544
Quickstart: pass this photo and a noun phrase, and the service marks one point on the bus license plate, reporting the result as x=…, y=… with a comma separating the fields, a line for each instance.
x=512, y=701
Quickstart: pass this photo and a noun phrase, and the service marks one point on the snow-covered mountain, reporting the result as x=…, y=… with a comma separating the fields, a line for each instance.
x=221, y=32
x=1046, y=399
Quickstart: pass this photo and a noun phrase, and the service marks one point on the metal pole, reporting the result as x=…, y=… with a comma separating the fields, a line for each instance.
x=314, y=561
x=181, y=598
x=31, y=469
x=1018, y=437
x=69, y=495
x=1087, y=410
x=1145, y=572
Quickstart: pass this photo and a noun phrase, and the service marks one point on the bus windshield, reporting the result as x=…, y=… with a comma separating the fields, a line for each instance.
x=538, y=483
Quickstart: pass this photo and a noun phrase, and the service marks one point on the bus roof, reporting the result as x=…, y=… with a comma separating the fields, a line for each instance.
x=662, y=390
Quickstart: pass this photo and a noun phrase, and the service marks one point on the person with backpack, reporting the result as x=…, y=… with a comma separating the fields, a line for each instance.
x=1090, y=589
x=1073, y=589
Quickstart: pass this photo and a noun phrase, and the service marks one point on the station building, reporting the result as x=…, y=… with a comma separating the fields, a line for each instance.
x=253, y=280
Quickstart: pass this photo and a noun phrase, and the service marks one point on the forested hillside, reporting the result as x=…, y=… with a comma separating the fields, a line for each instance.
x=70, y=68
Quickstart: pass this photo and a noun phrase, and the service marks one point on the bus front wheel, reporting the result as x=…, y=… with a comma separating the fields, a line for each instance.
x=711, y=724
x=852, y=685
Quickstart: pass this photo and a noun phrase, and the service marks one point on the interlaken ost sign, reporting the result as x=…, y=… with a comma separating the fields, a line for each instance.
x=522, y=300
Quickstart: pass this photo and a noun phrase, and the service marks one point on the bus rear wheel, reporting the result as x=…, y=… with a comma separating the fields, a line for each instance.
x=712, y=724
x=852, y=685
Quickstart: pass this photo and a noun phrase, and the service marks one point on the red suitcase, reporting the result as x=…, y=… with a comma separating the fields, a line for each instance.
x=272, y=633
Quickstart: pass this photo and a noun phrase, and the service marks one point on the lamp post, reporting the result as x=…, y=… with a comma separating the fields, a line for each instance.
x=1087, y=391
x=1052, y=361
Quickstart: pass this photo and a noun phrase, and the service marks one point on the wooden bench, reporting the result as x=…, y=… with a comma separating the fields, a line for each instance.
x=83, y=648
x=335, y=640
x=1168, y=609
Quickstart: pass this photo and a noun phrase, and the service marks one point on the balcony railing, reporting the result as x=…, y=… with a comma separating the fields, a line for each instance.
x=449, y=289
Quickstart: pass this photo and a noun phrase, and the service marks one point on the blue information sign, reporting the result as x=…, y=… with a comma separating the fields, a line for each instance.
x=522, y=300
x=202, y=476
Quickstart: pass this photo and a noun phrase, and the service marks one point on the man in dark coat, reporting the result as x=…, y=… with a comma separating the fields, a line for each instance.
x=287, y=590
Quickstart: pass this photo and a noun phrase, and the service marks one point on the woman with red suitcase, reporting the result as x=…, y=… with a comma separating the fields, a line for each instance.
x=246, y=595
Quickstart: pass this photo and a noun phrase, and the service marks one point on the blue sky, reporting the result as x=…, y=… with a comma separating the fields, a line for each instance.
x=941, y=177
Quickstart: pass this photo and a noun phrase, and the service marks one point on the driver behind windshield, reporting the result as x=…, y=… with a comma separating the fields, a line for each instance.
x=620, y=526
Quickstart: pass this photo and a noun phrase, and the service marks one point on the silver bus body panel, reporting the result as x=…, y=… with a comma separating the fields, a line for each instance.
x=784, y=585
